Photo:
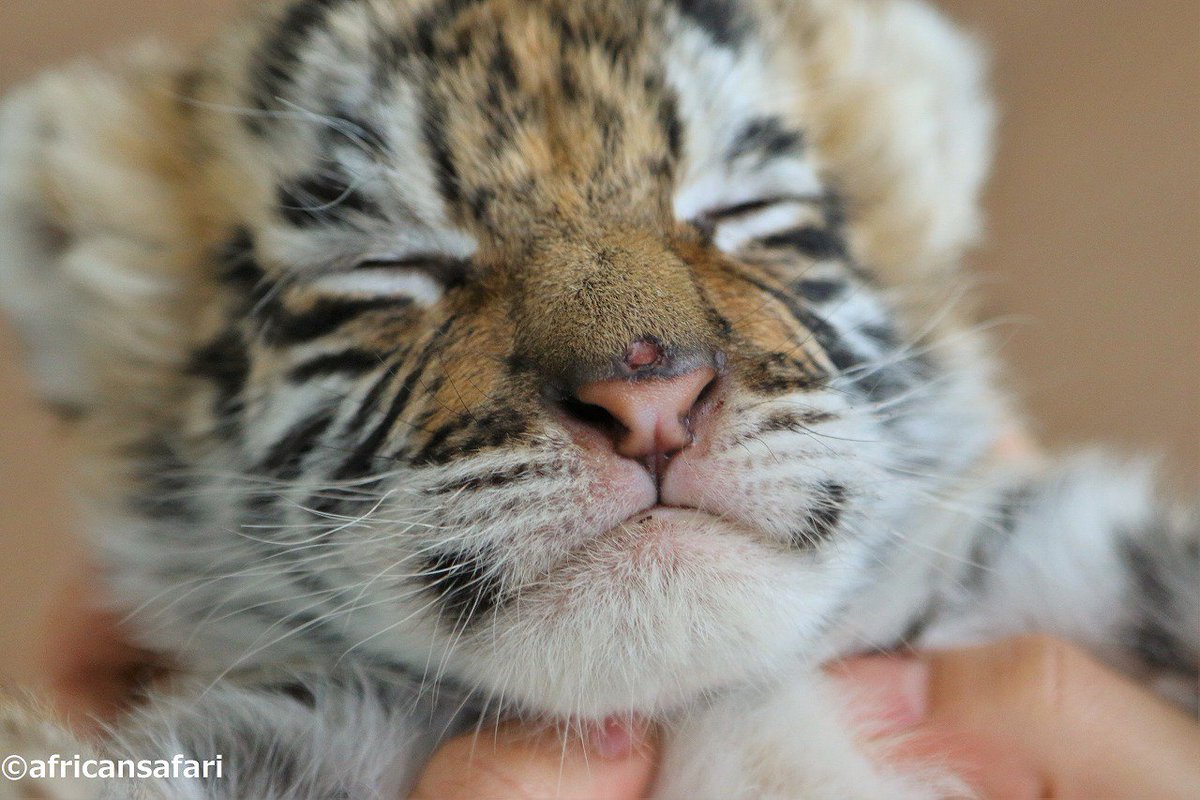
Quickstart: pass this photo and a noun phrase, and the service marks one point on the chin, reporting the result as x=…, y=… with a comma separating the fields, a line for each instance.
x=663, y=608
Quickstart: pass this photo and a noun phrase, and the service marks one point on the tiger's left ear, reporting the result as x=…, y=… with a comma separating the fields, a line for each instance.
x=902, y=123
x=93, y=229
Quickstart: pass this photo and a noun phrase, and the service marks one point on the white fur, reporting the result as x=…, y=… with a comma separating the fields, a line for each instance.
x=713, y=623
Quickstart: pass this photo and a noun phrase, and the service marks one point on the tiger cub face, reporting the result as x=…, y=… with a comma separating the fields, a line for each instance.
x=553, y=348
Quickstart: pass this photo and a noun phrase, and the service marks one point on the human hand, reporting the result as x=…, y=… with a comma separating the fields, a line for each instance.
x=1030, y=717
x=92, y=669
x=518, y=763
x=1022, y=719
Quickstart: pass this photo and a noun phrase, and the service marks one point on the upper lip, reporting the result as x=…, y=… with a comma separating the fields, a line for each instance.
x=657, y=465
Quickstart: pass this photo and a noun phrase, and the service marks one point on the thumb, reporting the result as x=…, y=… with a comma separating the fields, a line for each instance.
x=517, y=763
x=1029, y=717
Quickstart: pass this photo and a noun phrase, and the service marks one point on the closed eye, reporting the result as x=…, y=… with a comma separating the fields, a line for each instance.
x=761, y=221
x=447, y=271
x=419, y=279
x=754, y=206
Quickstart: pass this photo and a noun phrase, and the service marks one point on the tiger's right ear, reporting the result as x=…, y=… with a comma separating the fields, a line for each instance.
x=93, y=225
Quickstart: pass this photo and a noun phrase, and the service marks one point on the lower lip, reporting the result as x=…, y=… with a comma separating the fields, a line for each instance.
x=667, y=514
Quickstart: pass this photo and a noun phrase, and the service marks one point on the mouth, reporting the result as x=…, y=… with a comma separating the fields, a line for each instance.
x=673, y=514
x=677, y=531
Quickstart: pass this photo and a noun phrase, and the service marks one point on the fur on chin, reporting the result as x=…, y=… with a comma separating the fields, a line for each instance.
x=647, y=617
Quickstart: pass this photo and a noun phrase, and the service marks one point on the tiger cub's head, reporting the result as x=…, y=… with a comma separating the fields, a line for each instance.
x=590, y=354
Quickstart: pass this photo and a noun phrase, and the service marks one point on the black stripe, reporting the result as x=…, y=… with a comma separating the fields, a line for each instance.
x=237, y=266
x=435, y=129
x=1154, y=602
x=275, y=68
x=308, y=626
x=492, y=480
x=367, y=407
x=503, y=65
x=451, y=273
x=361, y=458
x=668, y=119
x=816, y=290
x=436, y=439
x=775, y=373
x=883, y=334
x=326, y=315
x=821, y=331
x=465, y=582
x=823, y=517
x=313, y=200
x=349, y=363
x=991, y=540
x=768, y=138
x=795, y=421
x=817, y=243
x=917, y=626
x=226, y=363
x=354, y=131
x=722, y=20
x=497, y=428
x=287, y=455
x=162, y=489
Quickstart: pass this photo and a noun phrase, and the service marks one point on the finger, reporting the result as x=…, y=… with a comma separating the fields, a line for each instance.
x=993, y=768
x=90, y=665
x=1092, y=732
x=889, y=703
x=515, y=764
x=1029, y=717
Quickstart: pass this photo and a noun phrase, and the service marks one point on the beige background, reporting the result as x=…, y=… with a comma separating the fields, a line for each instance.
x=1091, y=255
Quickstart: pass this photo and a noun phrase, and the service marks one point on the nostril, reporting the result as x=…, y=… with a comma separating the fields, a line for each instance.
x=705, y=394
x=591, y=415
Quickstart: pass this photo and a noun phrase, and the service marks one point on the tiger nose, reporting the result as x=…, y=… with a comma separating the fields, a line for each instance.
x=652, y=416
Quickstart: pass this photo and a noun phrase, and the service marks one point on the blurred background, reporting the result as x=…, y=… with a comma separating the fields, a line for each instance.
x=1091, y=256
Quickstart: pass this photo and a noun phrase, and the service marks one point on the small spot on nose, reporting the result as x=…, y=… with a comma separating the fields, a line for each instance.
x=643, y=353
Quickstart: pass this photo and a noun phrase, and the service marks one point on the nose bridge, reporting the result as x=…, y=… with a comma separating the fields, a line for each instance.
x=583, y=302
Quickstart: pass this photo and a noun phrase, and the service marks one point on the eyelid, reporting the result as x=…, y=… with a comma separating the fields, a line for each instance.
x=418, y=286
x=753, y=206
x=736, y=226
x=447, y=271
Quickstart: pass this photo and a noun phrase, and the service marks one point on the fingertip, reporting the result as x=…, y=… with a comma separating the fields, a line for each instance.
x=516, y=763
x=990, y=767
x=886, y=693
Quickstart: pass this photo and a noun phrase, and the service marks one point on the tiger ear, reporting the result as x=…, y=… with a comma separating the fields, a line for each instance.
x=903, y=123
x=92, y=224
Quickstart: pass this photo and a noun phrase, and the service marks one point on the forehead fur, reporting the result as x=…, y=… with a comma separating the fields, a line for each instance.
x=487, y=120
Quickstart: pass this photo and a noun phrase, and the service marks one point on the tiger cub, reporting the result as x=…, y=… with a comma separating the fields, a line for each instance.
x=446, y=361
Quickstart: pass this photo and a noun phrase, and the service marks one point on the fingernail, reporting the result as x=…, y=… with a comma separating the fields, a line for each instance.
x=615, y=739
x=889, y=693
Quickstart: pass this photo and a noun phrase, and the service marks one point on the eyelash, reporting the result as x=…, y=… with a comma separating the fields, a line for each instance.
x=735, y=226
x=752, y=206
x=447, y=272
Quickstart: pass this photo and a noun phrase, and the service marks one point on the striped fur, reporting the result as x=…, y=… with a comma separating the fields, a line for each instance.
x=319, y=296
